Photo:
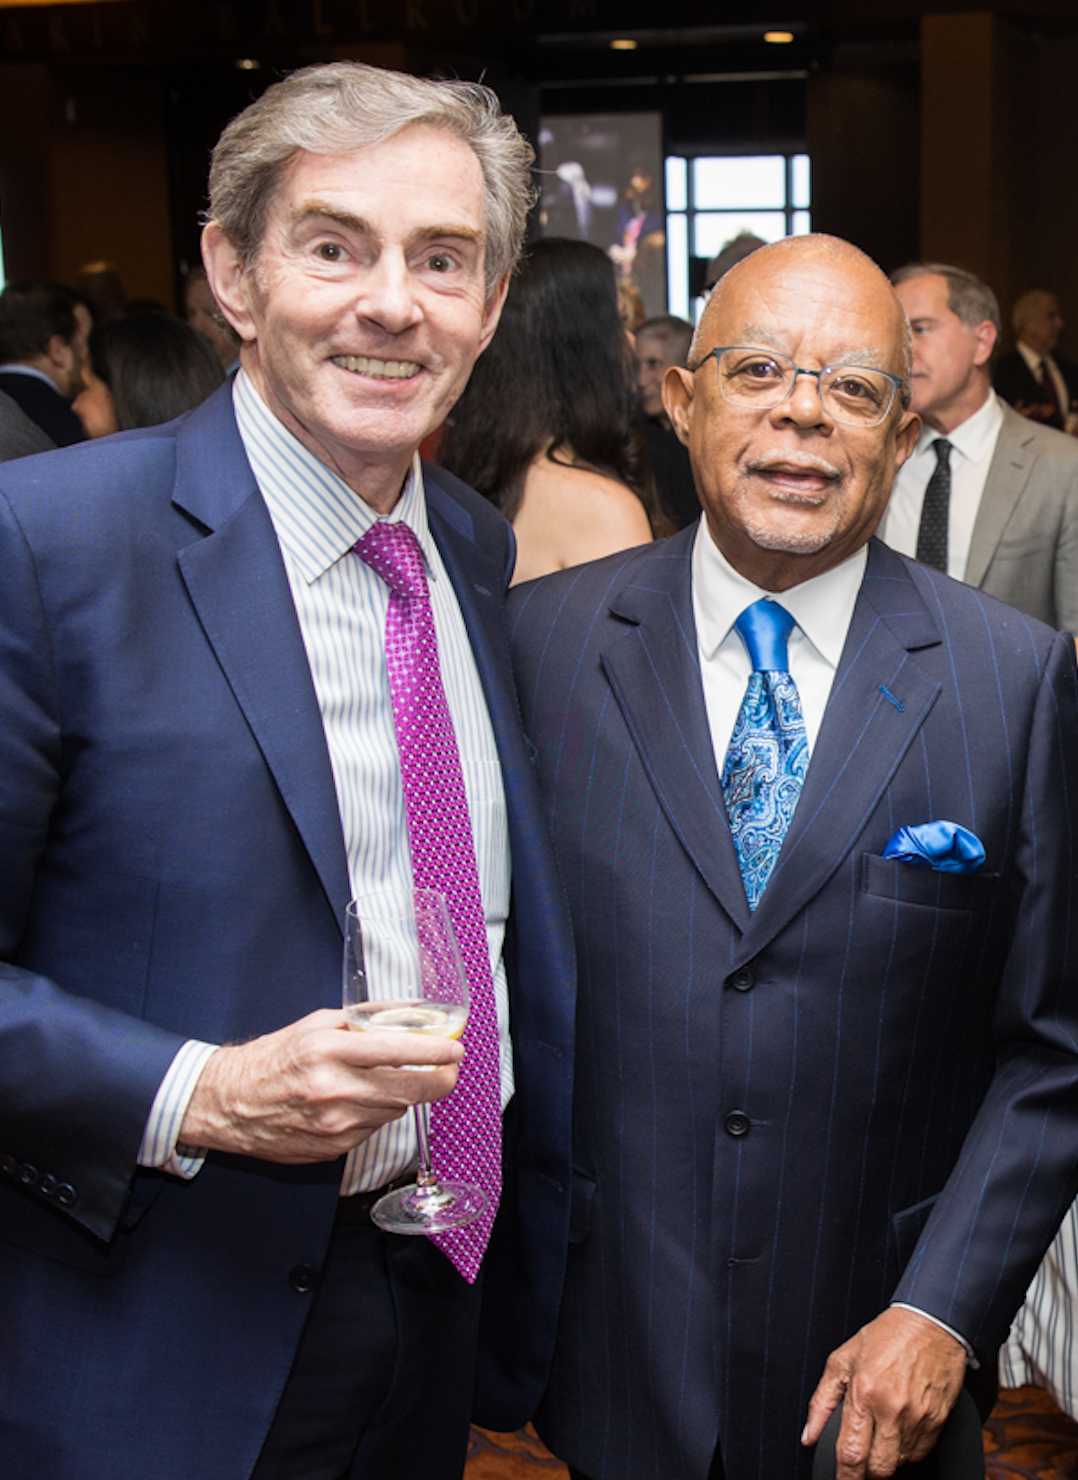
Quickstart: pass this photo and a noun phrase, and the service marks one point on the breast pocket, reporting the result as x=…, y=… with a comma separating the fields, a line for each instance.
x=906, y=883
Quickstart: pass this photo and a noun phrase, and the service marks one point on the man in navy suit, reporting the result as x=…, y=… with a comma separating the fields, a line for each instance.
x=198, y=768
x=820, y=1142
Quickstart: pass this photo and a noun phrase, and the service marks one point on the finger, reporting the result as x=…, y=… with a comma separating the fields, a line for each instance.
x=829, y=1393
x=379, y=1049
x=854, y=1443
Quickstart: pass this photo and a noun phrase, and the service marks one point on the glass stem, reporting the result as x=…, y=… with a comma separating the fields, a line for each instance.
x=424, y=1176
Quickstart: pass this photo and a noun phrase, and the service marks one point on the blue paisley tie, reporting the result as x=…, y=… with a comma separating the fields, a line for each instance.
x=768, y=754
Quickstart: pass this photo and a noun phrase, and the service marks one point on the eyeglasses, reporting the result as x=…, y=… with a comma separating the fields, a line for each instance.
x=760, y=380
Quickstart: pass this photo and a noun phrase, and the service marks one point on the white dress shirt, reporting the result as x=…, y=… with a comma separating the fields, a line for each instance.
x=973, y=445
x=341, y=605
x=821, y=607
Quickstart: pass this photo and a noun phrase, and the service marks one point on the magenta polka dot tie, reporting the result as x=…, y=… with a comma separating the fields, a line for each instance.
x=465, y=1128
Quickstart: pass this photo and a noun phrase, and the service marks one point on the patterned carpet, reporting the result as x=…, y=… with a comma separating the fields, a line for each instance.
x=1026, y=1438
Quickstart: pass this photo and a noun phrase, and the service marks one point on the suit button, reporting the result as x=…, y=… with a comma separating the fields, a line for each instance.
x=47, y=1185
x=66, y=1195
x=737, y=1123
x=28, y=1175
x=743, y=980
x=303, y=1278
x=8, y=1164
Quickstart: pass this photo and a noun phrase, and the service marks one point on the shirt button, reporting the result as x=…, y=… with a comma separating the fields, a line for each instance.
x=303, y=1278
x=737, y=1123
x=66, y=1195
x=28, y=1175
x=47, y=1185
x=743, y=980
x=8, y=1164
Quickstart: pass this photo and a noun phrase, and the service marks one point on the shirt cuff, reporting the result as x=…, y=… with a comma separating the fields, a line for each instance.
x=159, y=1148
x=971, y=1356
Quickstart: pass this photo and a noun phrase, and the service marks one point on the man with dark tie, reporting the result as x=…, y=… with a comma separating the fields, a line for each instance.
x=987, y=495
x=815, y=811
x=1032, y=377
x=252, y=664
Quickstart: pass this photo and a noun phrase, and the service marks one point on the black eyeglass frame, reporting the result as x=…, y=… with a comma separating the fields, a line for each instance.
x=715, y=354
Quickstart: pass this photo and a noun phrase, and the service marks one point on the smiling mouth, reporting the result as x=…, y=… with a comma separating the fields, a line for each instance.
x=377, y=369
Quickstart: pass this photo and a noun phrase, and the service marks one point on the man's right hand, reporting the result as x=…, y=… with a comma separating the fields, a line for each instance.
x=313, y=1090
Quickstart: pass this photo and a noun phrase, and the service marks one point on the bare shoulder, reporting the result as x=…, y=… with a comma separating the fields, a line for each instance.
x=569, y=515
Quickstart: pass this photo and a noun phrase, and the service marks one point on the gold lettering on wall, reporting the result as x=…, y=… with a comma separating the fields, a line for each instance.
x=414, y=18
x=321, y=25
x=58, y=38
x=365, y=22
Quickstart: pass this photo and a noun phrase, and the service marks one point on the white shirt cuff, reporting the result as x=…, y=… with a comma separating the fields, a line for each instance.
x=971, y=1358
x=159, y=1148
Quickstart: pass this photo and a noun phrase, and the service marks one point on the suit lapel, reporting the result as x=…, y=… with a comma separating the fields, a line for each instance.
x=1009, y=472
x=237, y=583
x=478, y=581
x=865, y=734
x=653, y=668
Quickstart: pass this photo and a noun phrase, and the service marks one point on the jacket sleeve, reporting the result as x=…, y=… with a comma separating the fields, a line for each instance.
x=77, y=1077
x=1018, y=1170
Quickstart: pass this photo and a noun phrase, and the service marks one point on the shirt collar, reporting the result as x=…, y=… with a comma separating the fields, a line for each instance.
x=974, y=438
x=1032, y=358
x=822, y=607
x=34, y=374
x=317, y=517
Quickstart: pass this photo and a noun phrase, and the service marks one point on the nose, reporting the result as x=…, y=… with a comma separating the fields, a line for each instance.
x=804, y=405
x=388, y=295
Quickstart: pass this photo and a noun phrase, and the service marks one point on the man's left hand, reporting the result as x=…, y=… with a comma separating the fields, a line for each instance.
x=900, y=1376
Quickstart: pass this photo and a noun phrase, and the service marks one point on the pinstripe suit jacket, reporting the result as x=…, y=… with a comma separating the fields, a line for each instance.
x=867, y=1090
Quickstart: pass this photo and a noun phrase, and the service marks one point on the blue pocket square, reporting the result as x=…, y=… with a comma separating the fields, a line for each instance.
x=940, y=845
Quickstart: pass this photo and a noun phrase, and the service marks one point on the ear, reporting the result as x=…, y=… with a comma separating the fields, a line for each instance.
x=906, y=434
x=985, y=335
x=59, y=352
x=679, y=388
x=492, y=312
x=230, y=282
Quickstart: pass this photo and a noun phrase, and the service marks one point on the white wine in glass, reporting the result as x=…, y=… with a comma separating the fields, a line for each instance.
x=403, y=973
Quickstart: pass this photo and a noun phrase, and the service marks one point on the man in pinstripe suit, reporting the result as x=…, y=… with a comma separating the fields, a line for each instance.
x=198, y=768
x=820, y=1146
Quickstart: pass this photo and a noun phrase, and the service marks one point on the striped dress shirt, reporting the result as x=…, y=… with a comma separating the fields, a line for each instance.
x=341, y=605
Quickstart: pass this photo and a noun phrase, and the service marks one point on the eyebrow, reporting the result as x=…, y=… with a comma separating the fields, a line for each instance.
x=870, y=357
x=320, y=210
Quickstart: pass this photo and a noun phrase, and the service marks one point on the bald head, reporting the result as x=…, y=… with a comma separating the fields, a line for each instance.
x=1037, y=320
x=826, y=261
x=794, y=488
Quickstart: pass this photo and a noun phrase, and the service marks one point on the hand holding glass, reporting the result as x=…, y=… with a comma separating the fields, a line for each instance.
x=403, y=973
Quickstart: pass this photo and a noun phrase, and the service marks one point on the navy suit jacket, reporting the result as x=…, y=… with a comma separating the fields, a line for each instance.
x=172, y=866
x=865, y=1091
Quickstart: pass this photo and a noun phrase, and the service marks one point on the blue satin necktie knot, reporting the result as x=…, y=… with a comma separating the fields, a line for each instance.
x=768, y=755
x=764, y=628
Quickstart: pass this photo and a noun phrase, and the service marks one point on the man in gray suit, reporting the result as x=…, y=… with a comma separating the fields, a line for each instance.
x=19, y=436
x=988, y=496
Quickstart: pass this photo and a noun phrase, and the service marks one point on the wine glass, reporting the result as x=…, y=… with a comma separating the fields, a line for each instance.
x=403, y=973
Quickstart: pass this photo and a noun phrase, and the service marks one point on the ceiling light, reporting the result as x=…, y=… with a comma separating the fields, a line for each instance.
x=779, y=38
x=625, y=43
x=248, y=64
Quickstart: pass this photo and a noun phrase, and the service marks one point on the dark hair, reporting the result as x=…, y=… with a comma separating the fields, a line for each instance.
x=156, y=367
x=30, y=314
x=557, y=374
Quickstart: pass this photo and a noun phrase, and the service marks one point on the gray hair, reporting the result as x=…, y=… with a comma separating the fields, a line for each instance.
x=970, y=300
x=347, y=106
